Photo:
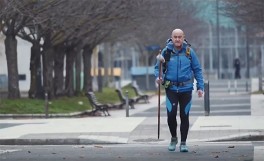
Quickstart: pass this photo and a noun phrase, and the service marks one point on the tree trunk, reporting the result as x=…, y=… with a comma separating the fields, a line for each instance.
x=100, y=67
x=260, y=71
x=78, y=64
x=87, y=55
x=12, y=69
x=48, y=69
x=70, y=55
x=111, y=64
x=107, y=59
x=58, y=70
x=35, y=72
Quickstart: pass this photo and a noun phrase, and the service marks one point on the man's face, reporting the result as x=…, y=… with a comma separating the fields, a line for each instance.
x=177, y=38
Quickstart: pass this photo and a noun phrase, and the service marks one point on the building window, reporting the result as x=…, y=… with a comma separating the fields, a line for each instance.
x=22, y=77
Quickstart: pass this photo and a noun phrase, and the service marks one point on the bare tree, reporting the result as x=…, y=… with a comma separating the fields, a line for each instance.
x=154, y=21
x=12, y=21
x=247, y=12
x=250, y=14
x=68, y=27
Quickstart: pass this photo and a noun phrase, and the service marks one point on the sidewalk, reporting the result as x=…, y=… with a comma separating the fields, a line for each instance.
x=87, y=130
x=121, y=129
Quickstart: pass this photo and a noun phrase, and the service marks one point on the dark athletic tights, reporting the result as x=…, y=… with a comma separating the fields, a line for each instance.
x=182, y=99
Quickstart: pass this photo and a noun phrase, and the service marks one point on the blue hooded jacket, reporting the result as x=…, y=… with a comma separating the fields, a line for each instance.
x=181, y=69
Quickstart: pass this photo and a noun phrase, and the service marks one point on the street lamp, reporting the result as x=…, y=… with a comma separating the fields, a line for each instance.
x=217, y=38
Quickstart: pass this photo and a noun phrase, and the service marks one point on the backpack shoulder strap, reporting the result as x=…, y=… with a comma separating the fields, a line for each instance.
x=188, y=53
x=167, y=56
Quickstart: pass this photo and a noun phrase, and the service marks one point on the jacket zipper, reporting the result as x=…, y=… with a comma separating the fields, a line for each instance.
x=178, y=71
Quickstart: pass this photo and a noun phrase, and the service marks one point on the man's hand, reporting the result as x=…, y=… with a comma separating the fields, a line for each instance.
x=200, y=93
x=160, y=58
x=159, y=81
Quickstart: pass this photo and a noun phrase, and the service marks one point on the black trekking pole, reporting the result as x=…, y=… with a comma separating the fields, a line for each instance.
x=160, y=70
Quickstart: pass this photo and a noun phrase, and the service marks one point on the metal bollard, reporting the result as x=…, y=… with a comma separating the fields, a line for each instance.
x=127, y=105
x=46, y=105
x=206, y=99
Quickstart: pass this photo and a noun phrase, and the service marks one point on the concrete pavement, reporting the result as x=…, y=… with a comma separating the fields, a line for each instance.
x=142, y=131
x=121, y=129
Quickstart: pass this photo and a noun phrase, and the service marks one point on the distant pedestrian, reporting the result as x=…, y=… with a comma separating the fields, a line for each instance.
x=237, y=68
x=180, y=65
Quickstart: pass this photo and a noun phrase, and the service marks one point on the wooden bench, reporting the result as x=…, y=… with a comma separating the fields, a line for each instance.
x=96, y=106
x=140, y=95
x=122, y=98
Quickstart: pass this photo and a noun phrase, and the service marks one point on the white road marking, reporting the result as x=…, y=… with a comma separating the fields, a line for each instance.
x=9, y=151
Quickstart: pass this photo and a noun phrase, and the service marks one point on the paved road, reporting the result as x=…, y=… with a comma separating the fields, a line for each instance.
x=130, y=152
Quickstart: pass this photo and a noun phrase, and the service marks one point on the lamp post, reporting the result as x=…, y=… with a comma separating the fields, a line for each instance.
x=247, y=53
x=210, y=46
x=217, y=39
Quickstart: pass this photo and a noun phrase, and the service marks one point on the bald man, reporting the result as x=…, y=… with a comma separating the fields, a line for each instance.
x=180, y=66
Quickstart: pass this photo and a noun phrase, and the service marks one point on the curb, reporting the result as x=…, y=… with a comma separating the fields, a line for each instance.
x=248, y=137
x=252, y=136
x=69, y=141
x=73, y=114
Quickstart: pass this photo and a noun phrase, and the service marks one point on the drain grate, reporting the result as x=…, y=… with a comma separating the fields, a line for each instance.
x=149, y=140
